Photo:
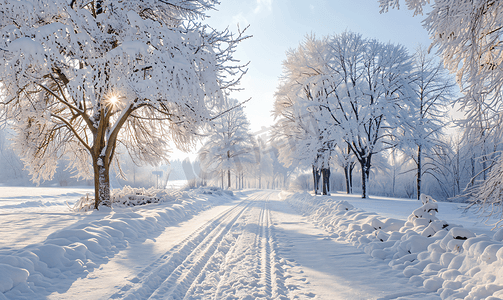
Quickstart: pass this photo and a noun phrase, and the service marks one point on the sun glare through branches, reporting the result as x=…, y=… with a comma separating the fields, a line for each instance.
x=113, y=100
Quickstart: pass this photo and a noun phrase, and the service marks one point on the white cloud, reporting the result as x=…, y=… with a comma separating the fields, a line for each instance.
x=240, y=19
x=263, y=6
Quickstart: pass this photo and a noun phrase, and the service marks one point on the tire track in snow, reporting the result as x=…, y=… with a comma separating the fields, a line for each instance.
x=265, y=251
x=171, y=275
x=249, y=269
x=256, y=257
x=233, y=255
x=272, y=273
x=178, y=283
x=250, y=256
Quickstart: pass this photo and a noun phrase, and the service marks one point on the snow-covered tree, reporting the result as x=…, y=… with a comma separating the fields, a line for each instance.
x=280, y=172
x=433, y=91
x=468, y=35
x=263, y=162
x=449, y=165
x=80, y=77
x=340, y=90
x=396, y=161
x=303, y=136
x=229, y=147
x=369, y=94
x=10, y=164
x=346, y=160
x=299, y=141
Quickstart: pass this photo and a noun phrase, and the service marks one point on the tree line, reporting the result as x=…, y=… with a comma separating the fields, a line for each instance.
x=349, y=98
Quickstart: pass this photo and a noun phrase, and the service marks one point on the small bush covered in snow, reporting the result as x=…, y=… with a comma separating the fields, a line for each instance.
x=129, y=196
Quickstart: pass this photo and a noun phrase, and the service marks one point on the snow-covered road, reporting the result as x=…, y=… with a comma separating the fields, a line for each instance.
x=255, y=247
x=258, y=244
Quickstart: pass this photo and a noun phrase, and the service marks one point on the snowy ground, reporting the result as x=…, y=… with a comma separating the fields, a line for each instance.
x=205, y=244
x=29, y=214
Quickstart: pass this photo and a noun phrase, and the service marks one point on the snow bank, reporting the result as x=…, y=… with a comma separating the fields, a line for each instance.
x=129, y=196
x=443, y=258
x=67, y=254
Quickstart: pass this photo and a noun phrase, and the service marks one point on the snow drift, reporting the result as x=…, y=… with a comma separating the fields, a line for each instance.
x=443, y=258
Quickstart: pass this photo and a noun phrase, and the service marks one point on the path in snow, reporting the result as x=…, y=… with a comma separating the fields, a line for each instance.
x=331, y=269
x=256, y=247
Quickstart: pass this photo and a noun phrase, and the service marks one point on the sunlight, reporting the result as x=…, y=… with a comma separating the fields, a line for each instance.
x=113, y=100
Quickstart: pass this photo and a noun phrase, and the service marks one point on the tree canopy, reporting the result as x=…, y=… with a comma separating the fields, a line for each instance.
x=343, y=89
x=80, y=77
x=229, y=146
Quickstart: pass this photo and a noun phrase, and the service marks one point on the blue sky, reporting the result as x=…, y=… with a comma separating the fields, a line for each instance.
x=279, y=25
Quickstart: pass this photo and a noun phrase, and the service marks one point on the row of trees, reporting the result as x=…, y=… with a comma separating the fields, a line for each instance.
x=345, y=101
x=347, y=98
x=83, y=79
x=448, y=167
x=468, y=37
x=231, y=151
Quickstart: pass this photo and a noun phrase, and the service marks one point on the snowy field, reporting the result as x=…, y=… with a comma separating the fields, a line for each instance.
x=257, y=244
x=176, y=184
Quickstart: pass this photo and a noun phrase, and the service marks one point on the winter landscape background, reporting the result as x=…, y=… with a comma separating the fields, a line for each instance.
x=317, y=150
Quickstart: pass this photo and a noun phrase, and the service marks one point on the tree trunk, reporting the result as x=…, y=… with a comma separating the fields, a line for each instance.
x=228, y=178
x=326, y=180
x=101, y=183
x=316, y=179
x=348, y=174
x=365, y=166
x=351, y=167
x=484, y=166
x=472, y=163
x=364, y=181
x=419, y=171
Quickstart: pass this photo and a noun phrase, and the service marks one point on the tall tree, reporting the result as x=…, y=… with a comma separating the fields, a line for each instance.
x=432, y=92
x=263, y=166
x=368, y=93
x=300, y=132
x=229, y=147
x=468, y=35
x=346, y=160
x=343, y=89
x=80, y=77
